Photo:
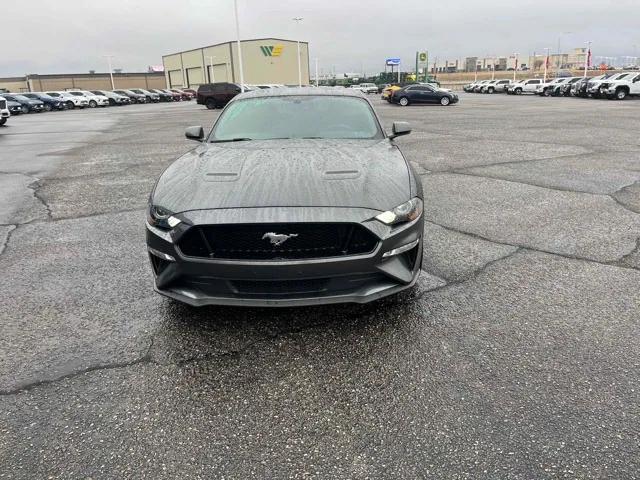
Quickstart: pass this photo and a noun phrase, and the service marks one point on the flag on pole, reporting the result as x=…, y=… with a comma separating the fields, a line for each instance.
x=589, y=57
x=546, y=62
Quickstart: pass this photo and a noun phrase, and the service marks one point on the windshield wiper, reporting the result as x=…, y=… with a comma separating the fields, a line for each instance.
x=240, y=139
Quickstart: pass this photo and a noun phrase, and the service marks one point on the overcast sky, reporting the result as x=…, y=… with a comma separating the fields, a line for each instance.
x=60, y=36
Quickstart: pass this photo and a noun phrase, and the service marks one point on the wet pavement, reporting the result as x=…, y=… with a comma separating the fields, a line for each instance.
x=516, y=356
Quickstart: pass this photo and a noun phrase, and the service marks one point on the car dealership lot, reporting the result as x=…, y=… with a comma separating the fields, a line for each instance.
x=515, y=357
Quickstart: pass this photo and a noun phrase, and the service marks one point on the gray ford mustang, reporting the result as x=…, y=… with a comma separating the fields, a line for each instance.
x=295, y=197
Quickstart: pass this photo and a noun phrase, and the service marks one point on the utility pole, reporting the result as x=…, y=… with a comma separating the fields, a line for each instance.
x=235, y=6
x=298, y=20
x=109, y=57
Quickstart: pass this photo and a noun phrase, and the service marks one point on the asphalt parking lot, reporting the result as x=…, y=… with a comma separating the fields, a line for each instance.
x=516, y=356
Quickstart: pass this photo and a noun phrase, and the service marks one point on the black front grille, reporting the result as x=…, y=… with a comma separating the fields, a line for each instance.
x=258, y=241
x=3, y=104
x=282, y=287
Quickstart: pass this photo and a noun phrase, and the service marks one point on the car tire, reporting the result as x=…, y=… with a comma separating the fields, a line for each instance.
x=47, y=107
x=546, y=92
x=93, y=104
x=70, y=105
x=25, y=109
x=210, y=104
x=3, y=121
x=445, y=101
x=621, y=94
x=112, y=102
x=403, y=101
x=491, y=90
x=518, y=91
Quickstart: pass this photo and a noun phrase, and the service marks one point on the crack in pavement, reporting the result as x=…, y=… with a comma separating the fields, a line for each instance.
x=613, y=263
x=558, y=189
x=6, y=240
x=147, y=358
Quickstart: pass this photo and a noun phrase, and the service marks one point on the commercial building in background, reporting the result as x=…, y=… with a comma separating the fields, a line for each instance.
x=82, y=81
x=573, y=60
x=265, y=60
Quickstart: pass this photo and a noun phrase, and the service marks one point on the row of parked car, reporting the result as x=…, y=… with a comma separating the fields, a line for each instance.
x=612, y=85
x=28, y=102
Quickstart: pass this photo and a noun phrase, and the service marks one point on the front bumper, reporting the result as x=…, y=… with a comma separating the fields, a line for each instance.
x=346, y=279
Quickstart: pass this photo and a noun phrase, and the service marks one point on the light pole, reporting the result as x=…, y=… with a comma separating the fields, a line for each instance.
x=298, y=20
x=559, y=65
x=235, y=6
x=109, y=57
x=317, y=71
x=212, y=77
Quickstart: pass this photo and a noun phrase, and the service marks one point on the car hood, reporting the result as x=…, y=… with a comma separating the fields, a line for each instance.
x=321, y=173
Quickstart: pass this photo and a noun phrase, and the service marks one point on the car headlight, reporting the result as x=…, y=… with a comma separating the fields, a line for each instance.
x=406, y=212
x=161, y=217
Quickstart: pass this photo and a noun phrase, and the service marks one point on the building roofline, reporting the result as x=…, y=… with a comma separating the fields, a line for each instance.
x=232, y=42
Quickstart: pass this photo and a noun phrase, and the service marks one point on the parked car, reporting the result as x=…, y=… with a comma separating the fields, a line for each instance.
x=524, y=86
x=164, y=96
x=593, y=88
x=15, y=108
x=177, y=97
x=496, y=86
x=423, y=94
x=5, y=113
x=28, y=104
x=94, y=100
x=564, y=89
x=217, y=95
x=72, y=101
x=340, y=243
x=579, y=88
x=545, y=89
x=368, y=88
x=191, y=91
x=478, y=87
x=622, y=87
x=388, y=91
x=133, y=96
x=50, y=103
x=113, y=98
x=185, y=95
x=151, y=96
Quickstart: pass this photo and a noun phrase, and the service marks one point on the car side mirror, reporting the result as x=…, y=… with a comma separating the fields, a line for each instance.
x=194, y=133
x=400, y=128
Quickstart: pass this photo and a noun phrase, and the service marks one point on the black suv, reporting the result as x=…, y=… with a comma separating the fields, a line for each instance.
x=217, y=95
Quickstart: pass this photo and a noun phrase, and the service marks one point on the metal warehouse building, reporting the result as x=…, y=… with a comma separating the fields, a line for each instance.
x=265, y=60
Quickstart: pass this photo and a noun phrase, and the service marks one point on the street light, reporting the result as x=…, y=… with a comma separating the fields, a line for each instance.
x=235, y=6
x=298, y=20
x=559, y=65
x=109, y=57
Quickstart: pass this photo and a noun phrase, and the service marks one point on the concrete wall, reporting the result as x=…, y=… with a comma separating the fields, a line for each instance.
x=98, y=81
x=221, y=63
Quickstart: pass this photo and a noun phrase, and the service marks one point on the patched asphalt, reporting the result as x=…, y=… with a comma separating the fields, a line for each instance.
x=516, y=356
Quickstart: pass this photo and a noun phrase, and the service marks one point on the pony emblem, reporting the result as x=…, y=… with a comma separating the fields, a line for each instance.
x=278, y=239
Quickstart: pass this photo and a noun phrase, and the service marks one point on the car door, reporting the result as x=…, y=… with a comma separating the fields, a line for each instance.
x=634, y=88
x=428, y=94
x=531, y=85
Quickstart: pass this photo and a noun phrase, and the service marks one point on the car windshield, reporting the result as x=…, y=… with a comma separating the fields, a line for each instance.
x=317, y=116
x=22, y=98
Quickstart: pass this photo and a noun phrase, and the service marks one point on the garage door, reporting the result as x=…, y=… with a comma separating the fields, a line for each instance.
x=194, y=77
x=221, y=73
x=175, y=78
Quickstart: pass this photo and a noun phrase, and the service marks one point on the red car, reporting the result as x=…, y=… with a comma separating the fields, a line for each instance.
x=185, y=94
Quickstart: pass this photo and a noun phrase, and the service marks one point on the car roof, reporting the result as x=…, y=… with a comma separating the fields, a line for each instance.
x=300, y=91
